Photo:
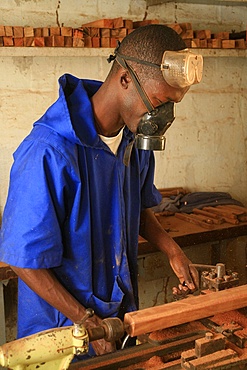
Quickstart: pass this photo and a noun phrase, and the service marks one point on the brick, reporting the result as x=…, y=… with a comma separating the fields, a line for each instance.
x=66, y=31
x=105, y=42
x=18, y=41
x=8, y=41
x=39, y=41
x=18, y=31
x=228, y=44
x=55, y=31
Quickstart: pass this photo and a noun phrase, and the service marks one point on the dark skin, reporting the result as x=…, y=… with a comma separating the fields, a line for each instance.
x=117, y=95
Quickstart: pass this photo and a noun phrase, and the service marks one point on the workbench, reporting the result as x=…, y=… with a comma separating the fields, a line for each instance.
x=152, y=266
x=224, y=243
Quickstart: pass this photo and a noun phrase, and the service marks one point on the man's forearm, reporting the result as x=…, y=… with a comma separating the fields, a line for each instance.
x=153, y=232
x=44, y=283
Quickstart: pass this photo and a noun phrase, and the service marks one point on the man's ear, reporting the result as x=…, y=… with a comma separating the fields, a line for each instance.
x=125, y=79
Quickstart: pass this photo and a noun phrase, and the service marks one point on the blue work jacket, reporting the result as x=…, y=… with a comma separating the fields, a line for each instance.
x=74, y=207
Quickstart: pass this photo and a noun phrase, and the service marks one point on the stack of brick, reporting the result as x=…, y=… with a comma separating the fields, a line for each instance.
x=105, y=33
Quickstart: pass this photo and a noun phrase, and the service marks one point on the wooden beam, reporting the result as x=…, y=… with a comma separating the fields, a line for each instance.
x=186, y=310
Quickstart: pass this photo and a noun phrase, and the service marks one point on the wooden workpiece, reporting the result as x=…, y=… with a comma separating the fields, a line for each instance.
x=180, y=312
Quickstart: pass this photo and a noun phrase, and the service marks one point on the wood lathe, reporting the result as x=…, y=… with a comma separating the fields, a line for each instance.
x=207, y=331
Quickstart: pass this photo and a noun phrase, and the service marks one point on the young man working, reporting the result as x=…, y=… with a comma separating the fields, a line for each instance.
x=76, y=205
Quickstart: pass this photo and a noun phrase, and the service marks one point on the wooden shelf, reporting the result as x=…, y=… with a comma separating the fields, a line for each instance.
x=99, y=52
x=207, y=2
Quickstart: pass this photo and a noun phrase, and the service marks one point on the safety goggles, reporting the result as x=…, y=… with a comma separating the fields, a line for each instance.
x=179, y=68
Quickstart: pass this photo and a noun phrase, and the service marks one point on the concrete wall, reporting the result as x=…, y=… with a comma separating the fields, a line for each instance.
x=206, y=146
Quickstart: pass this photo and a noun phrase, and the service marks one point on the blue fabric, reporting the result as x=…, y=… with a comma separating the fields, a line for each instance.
x=74, y=207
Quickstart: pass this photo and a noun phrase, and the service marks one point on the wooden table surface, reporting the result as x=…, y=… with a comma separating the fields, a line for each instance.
x=188, y=234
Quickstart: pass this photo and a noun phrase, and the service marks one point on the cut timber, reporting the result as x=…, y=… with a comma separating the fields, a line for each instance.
x=2, y=31
x=66, y=31
x=8, y=31
x=18, y=31
x=28, y=32
x=228, y=44
x=55, y=31
x=202, y=34
x=8, y=41
x=145, y=23
x=128, y=24
x=186, y=310
x=189, y=218
x=118, y=22
x=101, y=23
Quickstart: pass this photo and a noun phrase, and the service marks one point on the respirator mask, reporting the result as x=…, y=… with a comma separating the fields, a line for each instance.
x=180, y=69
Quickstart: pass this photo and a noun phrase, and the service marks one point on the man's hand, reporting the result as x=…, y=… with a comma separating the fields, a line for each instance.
x=186, y=273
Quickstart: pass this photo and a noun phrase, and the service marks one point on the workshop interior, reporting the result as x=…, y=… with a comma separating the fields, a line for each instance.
x=200, y=148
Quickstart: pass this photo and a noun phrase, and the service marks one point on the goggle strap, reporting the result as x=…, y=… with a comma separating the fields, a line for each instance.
x=137, y=83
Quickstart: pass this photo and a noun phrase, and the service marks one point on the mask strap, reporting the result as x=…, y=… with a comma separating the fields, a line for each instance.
x=137, y=83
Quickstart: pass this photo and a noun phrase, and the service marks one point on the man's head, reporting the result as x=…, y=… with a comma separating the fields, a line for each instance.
x=139, y=78
x=149, y=43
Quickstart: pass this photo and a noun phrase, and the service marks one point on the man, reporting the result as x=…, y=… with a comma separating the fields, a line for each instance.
x=71, y=222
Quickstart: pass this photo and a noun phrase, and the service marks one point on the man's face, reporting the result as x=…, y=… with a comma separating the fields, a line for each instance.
x=158, y=92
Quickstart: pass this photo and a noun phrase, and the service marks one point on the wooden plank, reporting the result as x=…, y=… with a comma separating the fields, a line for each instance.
x=58, y=41
x=203, y=43
x=55, y=31
x=95, y=42
x=18, y=41
x=187, y=34
x=105, y=42
x=101, y=23
x=118, y=32
x=8, y=31
x=18, y=31
x=137, y=24
x=38, y=32
x=176, y=27
x=1, y=41
x=216, y=43
x=68, y=41
x=128, y=23
x=8, y=41
x=202, y=34
x=118, y=22
x=195, y=43
x=228, y=44
x=187, y=310
x=221, y=35
x=39, y=41
x=28, y=41
x=2, y=31
x=240, y=44
x=191, y=219
x=78, y=42
x=45, y=32
x=105, y=32
x=28, y=32
x=67, y=31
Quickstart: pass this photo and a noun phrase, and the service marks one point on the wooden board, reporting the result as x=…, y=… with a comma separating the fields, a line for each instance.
x=186, y=310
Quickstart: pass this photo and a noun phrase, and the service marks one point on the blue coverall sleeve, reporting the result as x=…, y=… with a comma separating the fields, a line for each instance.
x=35, y=211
